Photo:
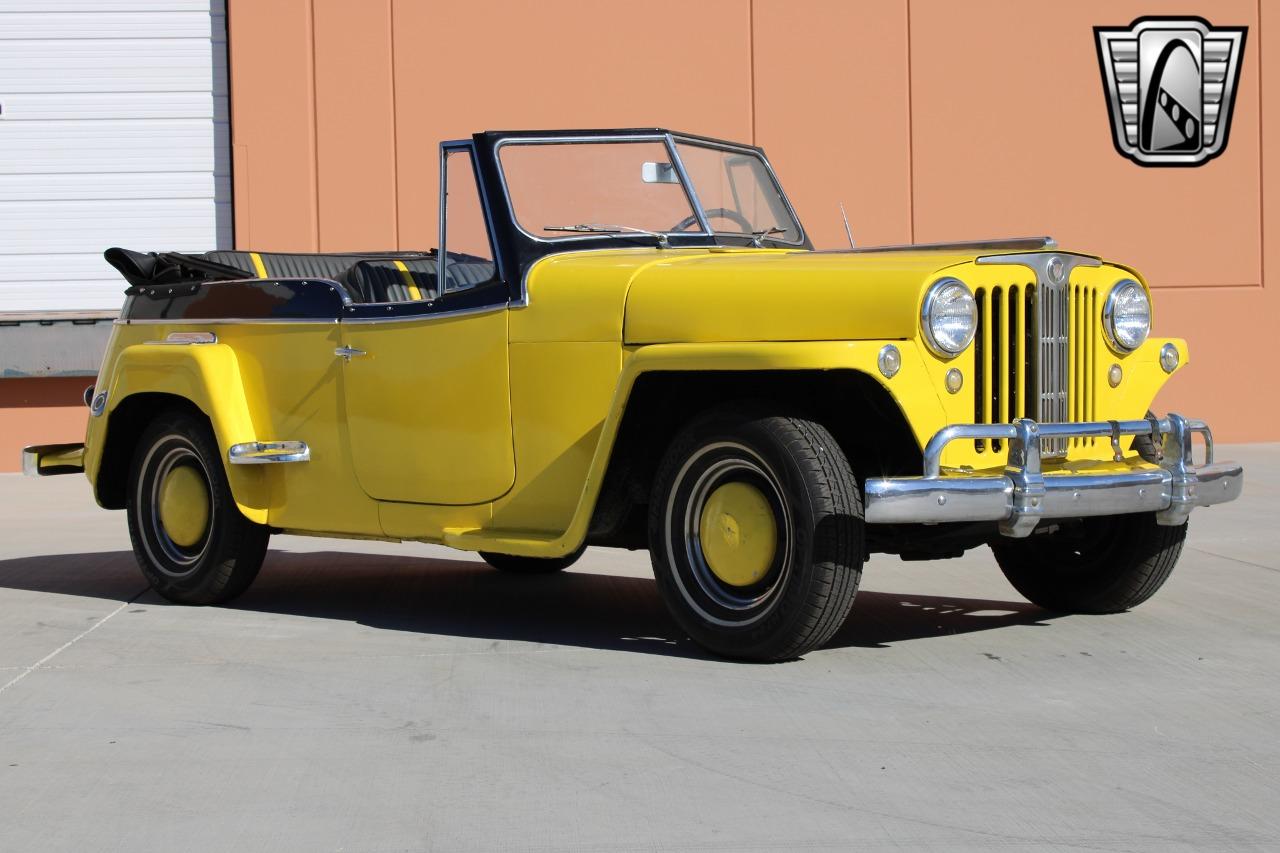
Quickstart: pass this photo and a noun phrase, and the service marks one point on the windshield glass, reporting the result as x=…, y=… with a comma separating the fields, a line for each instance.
x=737, y=192
x=567, y=189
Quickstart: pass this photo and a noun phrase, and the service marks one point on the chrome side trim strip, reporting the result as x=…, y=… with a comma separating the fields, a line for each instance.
x=186, y=339
x=226, y=321
x=431, y=315
x=1024, y=494
x=267, y=452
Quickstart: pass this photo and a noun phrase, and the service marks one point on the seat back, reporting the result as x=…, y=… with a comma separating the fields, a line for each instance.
x=393, y=281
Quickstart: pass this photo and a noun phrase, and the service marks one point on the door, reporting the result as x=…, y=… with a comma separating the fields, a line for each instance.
x=427, y=391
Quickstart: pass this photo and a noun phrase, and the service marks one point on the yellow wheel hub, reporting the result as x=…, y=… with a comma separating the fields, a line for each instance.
x=184, y=505
x=739, y=534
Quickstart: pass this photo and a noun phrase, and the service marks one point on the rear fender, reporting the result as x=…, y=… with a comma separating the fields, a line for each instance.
x=206, y=376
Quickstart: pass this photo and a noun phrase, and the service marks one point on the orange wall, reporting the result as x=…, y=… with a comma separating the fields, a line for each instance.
x=929, y=119
x=40, y=411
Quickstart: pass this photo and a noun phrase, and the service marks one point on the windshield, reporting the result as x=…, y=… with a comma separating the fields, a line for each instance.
x=561, y=189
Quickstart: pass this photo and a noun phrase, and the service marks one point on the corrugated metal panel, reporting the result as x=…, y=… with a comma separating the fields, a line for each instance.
x=50, y=347
x=113, y=127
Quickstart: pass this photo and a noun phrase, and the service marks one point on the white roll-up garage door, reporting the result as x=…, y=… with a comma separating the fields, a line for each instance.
x=113, y=132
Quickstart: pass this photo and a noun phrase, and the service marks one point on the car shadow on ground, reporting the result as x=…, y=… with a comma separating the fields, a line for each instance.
x=468, y=599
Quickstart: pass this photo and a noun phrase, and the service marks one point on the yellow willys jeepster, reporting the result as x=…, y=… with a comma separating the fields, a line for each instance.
x=625, y=338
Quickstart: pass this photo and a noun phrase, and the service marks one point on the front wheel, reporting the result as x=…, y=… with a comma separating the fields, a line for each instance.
x=1100, y=565
x=756, y=534
x=193, y=544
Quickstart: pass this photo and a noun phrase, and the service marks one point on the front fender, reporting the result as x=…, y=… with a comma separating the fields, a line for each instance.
x=208, y=377
x=912, y=389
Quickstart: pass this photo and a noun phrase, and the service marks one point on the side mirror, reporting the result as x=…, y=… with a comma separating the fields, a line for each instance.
x=659, y=173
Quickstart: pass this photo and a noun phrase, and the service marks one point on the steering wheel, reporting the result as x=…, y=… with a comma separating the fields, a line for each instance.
x=716, y=213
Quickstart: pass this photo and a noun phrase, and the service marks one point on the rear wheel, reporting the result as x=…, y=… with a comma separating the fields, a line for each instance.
x=756, y=534
x=193, y=544
x=1098, y=565
x=530, y=565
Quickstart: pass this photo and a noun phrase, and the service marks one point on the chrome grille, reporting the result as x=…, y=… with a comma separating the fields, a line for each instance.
x=1027, y=362
x=1054, y=321
x=1084, y=358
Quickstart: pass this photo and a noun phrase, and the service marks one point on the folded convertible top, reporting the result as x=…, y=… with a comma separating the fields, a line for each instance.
x=370, y=277
x=152, y=268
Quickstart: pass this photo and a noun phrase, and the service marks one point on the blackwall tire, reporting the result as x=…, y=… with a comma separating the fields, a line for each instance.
x=530, y=565
x=175, y=468
x=1101, y=565
x=756, y=534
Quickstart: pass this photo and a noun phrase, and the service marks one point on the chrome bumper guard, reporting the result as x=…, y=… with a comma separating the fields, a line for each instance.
x=268, y=452
x=1023, y=494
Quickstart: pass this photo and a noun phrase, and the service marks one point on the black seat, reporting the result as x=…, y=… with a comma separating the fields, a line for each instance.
x=287, y=265
x=384, y=281
x=368, y=277
x=465, y=274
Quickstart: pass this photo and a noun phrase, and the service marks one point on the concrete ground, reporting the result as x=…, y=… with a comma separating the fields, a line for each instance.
x=404, y=697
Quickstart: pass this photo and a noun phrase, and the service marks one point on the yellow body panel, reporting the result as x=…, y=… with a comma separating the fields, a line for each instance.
x=260, y=382
x=582, y=296
x=913, y=394
x=208, y=376
x=493, y=430
x=769, y=295
x=428, y=408
x=560, y=395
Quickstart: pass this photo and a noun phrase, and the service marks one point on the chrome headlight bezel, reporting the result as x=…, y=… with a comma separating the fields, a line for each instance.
x=926, y=319
x=1109, y=316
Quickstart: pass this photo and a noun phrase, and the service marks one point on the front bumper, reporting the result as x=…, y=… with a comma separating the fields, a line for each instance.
x=1169, y=485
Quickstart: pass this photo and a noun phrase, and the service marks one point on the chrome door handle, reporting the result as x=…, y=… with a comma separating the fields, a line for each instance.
x=348, y=353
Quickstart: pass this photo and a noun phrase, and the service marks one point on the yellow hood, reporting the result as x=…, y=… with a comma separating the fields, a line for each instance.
x=755, y=295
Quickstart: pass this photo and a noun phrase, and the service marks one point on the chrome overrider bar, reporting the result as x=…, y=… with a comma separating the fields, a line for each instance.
x=1171, y=485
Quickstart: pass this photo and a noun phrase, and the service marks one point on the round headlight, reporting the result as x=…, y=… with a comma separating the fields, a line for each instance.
x=1126, y=316
x=949, y=317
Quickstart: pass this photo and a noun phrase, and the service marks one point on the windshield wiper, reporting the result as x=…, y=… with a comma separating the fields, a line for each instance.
x=757, y=237
x=595, y=228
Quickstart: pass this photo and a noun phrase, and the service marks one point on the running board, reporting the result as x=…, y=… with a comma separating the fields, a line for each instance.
x=520, y=543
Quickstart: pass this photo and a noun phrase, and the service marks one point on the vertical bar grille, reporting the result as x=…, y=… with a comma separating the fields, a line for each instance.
x=1034, y=357
x=1054, y=340
x=1084, y=368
